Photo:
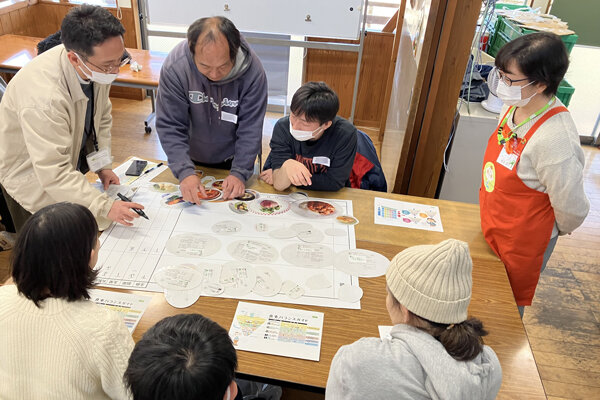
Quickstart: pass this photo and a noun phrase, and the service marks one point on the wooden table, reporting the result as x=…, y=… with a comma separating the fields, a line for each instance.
x=492, y=299
x=16, y=51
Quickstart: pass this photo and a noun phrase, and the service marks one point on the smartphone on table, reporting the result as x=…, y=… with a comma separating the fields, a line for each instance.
x=136, y=168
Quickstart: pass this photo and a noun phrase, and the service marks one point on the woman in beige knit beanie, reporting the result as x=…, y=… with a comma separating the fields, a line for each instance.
x=435, y=352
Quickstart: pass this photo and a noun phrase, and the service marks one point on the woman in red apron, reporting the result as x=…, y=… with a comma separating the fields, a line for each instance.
x=532, y=176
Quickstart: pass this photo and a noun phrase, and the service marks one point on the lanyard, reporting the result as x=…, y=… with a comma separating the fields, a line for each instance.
x=505, y=134
x=92, y=130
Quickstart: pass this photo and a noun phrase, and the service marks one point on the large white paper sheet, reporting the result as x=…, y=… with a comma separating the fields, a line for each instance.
x=129, y=256
x=130, y=306
x=407, y=215
x=277, y=330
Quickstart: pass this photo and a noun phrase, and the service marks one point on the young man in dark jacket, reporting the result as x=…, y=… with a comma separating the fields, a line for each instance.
x=211, y=104
x=312, y=148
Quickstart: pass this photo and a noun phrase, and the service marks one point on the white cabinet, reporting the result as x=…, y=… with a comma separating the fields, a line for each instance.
x=462, y=179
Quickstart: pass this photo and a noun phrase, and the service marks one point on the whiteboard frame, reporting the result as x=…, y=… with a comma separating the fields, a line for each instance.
x=355, y=48
x=339, y=19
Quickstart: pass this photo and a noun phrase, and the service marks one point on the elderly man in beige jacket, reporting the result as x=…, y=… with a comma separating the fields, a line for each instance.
x=55, y=121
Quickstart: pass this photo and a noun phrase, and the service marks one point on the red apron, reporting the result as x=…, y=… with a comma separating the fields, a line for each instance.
x=516, y=221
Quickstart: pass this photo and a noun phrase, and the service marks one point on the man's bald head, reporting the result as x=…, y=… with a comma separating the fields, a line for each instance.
x=212, y=30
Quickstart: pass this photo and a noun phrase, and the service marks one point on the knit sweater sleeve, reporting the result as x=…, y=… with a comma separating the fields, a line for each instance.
x=337, y=387
x=564, y=185
x=555, y=160
x=112, y=352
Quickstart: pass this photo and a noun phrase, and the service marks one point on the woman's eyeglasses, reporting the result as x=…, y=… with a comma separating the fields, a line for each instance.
x=507, y=80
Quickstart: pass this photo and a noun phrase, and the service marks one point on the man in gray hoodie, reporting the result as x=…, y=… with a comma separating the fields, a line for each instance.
x=211, y=103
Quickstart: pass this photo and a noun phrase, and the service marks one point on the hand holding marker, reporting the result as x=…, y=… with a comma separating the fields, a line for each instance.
x=137, y=210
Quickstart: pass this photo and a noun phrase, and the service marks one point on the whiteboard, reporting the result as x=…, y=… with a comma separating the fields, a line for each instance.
x=322, y=18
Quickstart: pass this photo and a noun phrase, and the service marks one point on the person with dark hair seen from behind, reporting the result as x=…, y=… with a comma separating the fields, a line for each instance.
x=56, y=121
x=49, y=43
x=532, y=176
x=211, y=105
x=183, y=357
x=313, y=148
x=56, y=343
x=435, y=351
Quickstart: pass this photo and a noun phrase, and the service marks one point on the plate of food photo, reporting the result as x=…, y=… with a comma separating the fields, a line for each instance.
x=211, y=194
x=314, y=209
x=269, y=206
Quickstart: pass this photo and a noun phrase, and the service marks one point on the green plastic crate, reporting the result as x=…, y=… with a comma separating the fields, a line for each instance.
x=510, y=6
x=511, y=30
x=496, y=43
x=565, y=92
x=568, y=40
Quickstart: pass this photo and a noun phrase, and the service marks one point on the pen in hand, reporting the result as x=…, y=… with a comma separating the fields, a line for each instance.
x=137, y=210
x=153, y=168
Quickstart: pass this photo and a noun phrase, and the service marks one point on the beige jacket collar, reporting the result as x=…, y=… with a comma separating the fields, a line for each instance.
x=71, y=77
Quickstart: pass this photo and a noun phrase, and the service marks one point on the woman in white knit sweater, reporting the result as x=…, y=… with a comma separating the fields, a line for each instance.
x=55, y=342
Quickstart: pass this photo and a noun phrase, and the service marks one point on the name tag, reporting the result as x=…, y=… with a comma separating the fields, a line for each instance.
x=229, y=117
x=99, y=159
x=322, y=160
x=507, y=160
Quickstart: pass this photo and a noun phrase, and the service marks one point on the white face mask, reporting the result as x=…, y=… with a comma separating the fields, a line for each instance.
x=98, y=77
x=511, y=95
x=302, y=136
x=228, y=392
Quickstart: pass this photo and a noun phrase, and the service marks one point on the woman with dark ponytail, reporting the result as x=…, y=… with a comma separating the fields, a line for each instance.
x=435, y=352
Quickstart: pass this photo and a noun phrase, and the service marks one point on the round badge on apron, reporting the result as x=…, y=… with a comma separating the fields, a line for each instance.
x=489, y=176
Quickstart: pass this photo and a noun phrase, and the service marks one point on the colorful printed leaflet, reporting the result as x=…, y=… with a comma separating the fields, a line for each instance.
x=277, y=330
x=130, y=306
x=407, y=215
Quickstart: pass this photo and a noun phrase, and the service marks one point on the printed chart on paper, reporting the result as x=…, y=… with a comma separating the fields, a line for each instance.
x=273, y=238
x=131, y=307
x=277, y=330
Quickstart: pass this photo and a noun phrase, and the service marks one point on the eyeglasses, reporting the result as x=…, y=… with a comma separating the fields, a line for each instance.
x=507, y=80
x=108, y=70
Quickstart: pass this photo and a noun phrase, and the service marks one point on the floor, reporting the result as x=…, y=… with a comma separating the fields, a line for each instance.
x=563, y=324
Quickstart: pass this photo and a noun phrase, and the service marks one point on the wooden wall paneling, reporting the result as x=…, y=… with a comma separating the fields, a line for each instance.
x=48, y=18
x=338, y=69
x=334, y=68
x=27, y=17
x=134, y=24
x=371, y=86
x=34, y=21
x=20, y=21
x=419, y=97
x=6, y=23
x=16, y=22
x=451, y=57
